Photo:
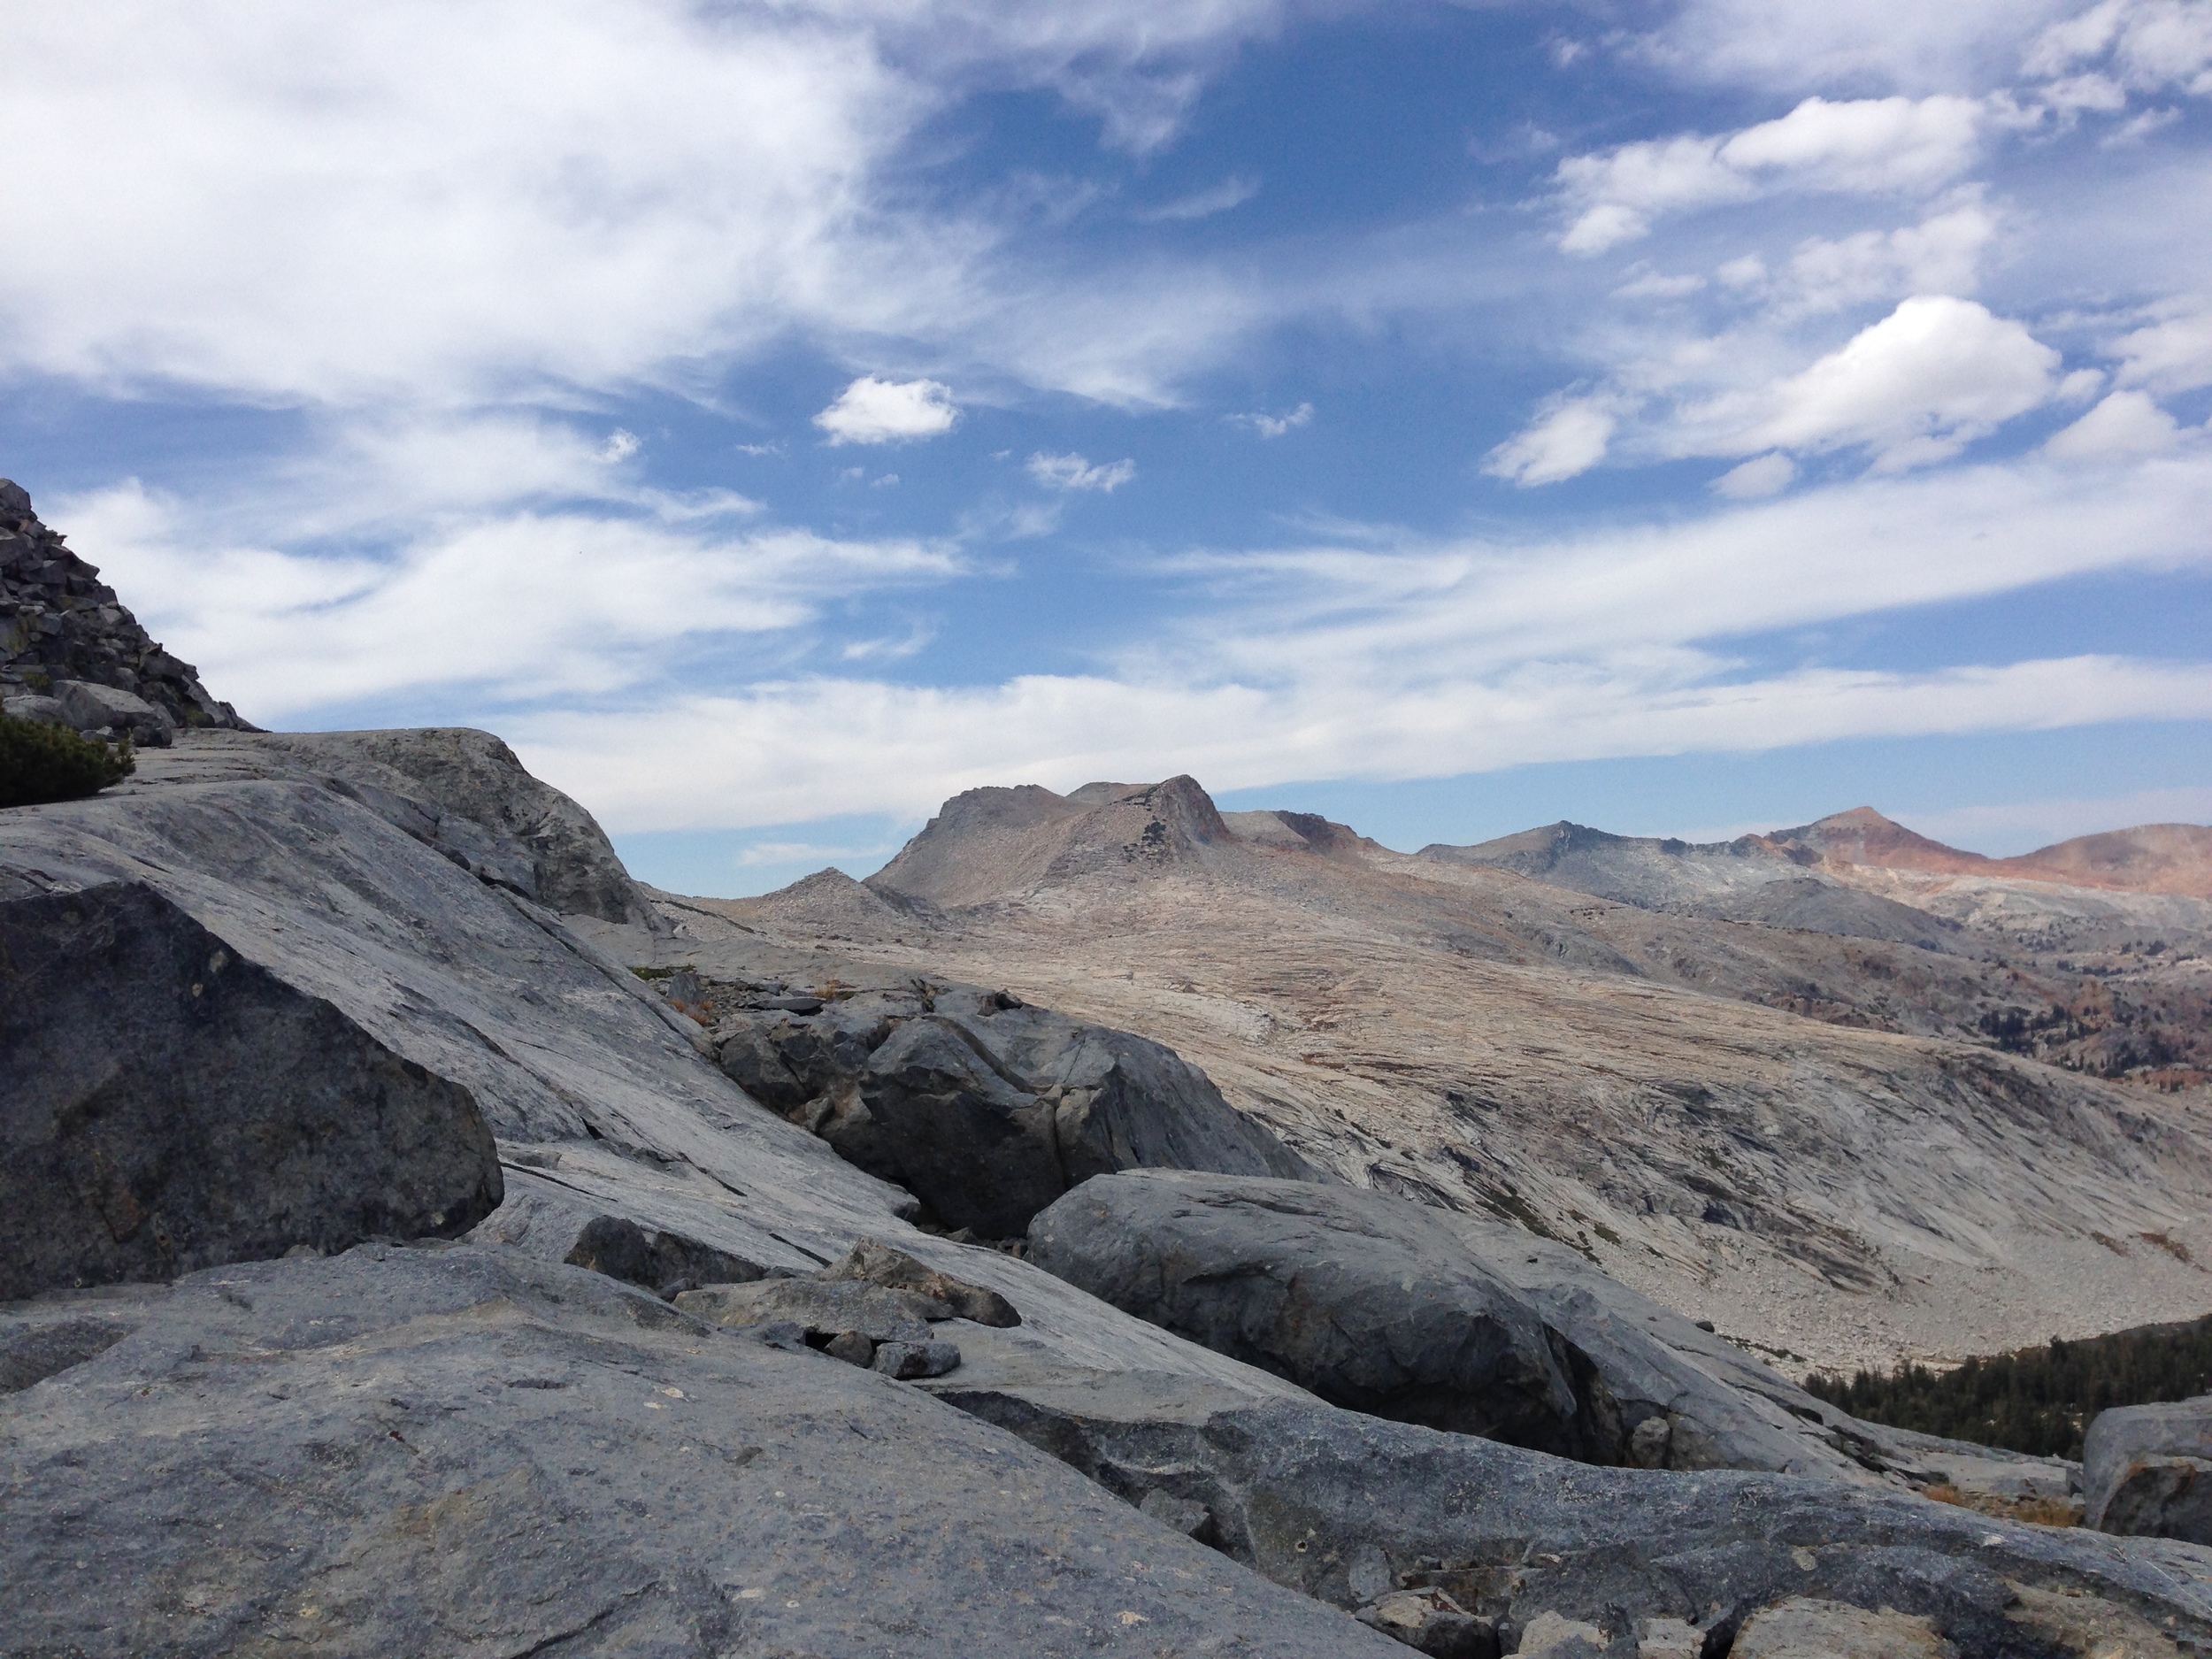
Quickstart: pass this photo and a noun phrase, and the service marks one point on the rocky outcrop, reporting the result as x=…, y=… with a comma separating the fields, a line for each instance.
x=1423, y=1315
x=461, y=791
x=168, y=1106
x=1350, y=1509
x=457, y=1449
x=70, y=651
x=2146, y=1471
x=985, y=1108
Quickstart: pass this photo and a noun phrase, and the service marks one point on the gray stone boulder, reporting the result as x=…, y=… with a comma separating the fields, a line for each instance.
x=666, y=1263
x=984, y=1108
x=1428, y=1315
x=875, y=1263
x=457, y=1449
x=33, y=706
x=1567, y=1559
x=821, y=1307
x=2146, y=1471
x=165, y=1106
x=1326, y=1286
x=91, y=707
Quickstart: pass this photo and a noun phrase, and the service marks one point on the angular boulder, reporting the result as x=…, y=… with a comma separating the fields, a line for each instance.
x=165, y=1106
x=984, y=1108
x=2146, y=1471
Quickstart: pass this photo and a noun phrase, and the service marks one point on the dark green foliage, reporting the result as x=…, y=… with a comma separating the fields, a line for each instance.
x=2039, y=1400
x=39, y=762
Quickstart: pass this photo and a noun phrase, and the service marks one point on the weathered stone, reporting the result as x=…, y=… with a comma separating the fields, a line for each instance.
x=90, y=707
x=166, y=1106
x=1431, y=1317
x=1318, y=1498
x=1299, y=1279
x=460, y=1450
x=1804, y=1628
x=1430, y=1622
x=1193, y=1520
x=67, y=630
x=910, y=1360
x=1549, y=1635
x=47, y=711
x=825, y=1308
x=878, y=1263
x=619, y=1247
x=34, y=1348
x=854, y=1348
x=2146, y=1471
x=986, y=1108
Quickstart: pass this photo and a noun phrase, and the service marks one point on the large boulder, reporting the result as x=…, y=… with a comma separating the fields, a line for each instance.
x=1326, y=1287
x=165, y=1106
x=1427, y=1316
x=2146, y=1471
x=984, y=1108
x=457, y=1449
x=1570, y=1560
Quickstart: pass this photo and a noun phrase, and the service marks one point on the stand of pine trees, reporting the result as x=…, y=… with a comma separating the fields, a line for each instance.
x=2039, y=1399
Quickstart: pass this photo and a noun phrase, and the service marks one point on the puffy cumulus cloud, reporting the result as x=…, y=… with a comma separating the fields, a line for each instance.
x=2125, y=423
x=1915, y=388
x=1942, y=254
x=871, y=411
x=1866, y=146
x=1433, y=659
x=2144, y=45
x=514, y=603
x=1565, y=440
x=1073, y=472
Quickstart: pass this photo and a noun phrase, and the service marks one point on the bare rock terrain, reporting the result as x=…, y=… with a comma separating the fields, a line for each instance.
x=1833, y=1142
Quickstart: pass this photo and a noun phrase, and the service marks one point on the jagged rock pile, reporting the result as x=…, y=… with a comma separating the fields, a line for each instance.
x=70, y=651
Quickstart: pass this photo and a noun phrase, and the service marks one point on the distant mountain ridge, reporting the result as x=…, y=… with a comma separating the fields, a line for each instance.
x=2174, y=858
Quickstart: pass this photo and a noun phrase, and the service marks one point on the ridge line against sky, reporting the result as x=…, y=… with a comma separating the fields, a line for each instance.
x=774, y=418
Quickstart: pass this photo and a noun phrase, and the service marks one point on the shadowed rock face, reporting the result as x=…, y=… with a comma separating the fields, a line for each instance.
x=983, y=1108
x=2146, y=1471
x=167, y=1106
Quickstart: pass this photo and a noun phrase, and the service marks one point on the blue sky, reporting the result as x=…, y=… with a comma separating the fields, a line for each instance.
x=773, y=419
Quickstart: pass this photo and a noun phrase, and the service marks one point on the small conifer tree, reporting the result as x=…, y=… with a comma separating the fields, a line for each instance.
x=39, y=762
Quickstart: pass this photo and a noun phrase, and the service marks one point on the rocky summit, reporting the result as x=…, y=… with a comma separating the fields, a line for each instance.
x=73, y=654
x=418, y=1237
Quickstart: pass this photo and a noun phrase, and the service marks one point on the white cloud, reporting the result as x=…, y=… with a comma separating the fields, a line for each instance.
x=1275, y=426
x=2149, y=45
x=1762, y=475
x=871, y=411
x=2173, y=354
x=1867, y=146
x=1792, y=44
x=1565, y=441
x=1940, y=255
x=1231, y=192
x=513, y=604
x=1441, y=658
x=1072, y=472
x=1915, y=388
x=2125, y=423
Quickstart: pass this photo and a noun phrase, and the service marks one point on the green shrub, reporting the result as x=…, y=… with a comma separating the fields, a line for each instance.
x=39, y=762
x=2039, y=1400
